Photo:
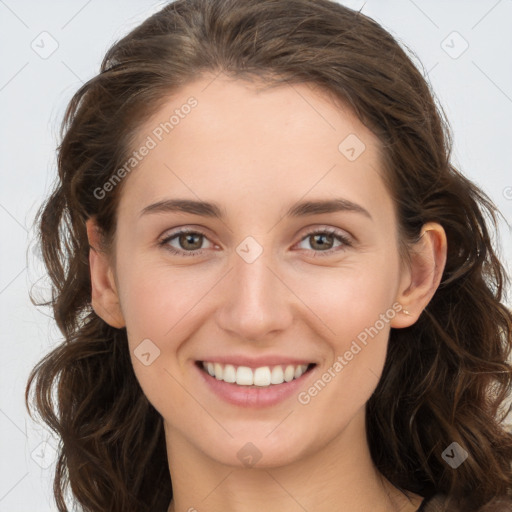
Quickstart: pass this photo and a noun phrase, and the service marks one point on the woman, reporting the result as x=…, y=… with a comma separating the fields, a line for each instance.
x=334, y=336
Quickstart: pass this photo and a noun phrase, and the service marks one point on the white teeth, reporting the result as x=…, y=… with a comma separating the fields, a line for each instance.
x=218, y=371
x=263, y=376
x=229, y=373
x=277, y=376
x=300, y=370
x=244, y=376
x=289, y=373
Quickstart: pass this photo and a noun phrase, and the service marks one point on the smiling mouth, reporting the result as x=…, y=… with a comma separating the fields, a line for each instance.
x=264, y=376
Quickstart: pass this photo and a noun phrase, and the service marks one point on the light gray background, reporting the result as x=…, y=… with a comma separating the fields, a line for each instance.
x=475, y=89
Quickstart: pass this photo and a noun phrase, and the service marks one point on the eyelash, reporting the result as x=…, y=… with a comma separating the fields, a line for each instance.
x=329, y=252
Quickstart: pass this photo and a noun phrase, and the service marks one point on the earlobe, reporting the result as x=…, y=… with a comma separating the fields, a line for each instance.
x=428, y=259
x=104, y=295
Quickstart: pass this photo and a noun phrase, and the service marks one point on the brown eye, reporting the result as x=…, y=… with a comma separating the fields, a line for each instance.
x=322, y=242
x=184, y=243
x=190, y=241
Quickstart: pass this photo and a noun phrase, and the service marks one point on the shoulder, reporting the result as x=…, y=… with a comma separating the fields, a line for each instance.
x=442, y=503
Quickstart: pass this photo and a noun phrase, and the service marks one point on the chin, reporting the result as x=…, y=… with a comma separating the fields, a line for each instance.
x=259, y=449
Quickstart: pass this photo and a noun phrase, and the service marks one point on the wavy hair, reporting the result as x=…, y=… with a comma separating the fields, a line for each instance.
x=446, y=378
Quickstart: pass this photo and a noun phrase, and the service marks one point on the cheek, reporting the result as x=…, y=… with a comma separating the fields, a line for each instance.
x=158, y=300
x=355, y=314
x=349, y=299
x=353, y=307
x=162, y=309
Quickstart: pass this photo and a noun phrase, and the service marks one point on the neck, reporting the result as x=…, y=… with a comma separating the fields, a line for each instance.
x=341, y=476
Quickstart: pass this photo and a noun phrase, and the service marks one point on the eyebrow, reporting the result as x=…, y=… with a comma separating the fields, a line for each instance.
x=213, y=210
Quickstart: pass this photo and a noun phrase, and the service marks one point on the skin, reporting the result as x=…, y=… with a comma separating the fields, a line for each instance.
x=255, y=152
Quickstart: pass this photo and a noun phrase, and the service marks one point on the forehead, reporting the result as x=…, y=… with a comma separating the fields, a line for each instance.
x=243, y=141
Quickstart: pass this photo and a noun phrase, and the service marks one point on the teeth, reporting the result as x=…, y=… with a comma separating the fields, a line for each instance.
x=277, y=376
x=263, y=376
x=229, y=373
x=289, y=373
x=244, y=376
x=219, y=371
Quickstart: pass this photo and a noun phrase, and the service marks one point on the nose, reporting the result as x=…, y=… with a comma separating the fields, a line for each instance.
x=254, y=301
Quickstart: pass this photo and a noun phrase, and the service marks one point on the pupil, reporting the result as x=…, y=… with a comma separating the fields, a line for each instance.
x=189, y=238
x=322, y=245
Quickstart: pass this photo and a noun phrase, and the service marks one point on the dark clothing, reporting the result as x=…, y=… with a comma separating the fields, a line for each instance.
x=437, y=503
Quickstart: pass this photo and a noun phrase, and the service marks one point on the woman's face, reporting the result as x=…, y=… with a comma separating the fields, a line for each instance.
x=255, y=285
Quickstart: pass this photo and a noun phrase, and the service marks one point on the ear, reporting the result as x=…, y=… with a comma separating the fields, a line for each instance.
x=422, y=277
x=104, y=295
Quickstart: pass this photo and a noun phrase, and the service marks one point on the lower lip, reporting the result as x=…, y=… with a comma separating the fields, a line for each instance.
x=248, y=396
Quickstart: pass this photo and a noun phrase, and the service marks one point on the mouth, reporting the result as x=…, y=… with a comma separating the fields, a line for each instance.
x=260, y=387
x=261, y=377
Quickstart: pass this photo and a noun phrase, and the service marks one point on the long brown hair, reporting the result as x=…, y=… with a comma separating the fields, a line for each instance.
x=445, y=378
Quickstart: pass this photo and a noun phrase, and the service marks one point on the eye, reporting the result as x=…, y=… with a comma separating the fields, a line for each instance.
x=189, y=243
x=324, y=239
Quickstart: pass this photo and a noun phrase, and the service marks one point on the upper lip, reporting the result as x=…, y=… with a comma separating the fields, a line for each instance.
x=256, y=362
